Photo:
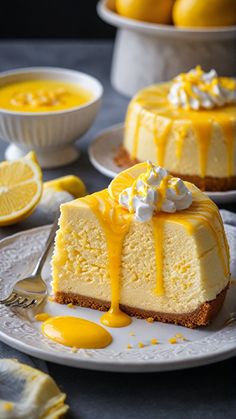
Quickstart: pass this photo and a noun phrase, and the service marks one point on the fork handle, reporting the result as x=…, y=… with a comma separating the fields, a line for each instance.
x=39, y=266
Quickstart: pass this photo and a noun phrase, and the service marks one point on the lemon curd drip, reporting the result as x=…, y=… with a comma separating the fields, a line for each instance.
x=181, y=134
x=153, y=110
x=115, y=223
x=160, y=136
x=43, y=96
x=76, y=332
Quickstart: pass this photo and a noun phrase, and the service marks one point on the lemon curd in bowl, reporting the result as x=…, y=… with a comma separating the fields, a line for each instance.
x=47, y=109
x=43, y=96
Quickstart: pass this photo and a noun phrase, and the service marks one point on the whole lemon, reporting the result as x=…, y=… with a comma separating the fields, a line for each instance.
x=202, y=13
x=154, y=11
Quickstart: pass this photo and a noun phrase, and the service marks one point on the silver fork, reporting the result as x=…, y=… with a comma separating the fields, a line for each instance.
x=31, y=291
x=231, y=319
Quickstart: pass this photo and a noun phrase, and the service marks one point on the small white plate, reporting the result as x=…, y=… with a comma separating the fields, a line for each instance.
x=19, y=329
x=103, y=149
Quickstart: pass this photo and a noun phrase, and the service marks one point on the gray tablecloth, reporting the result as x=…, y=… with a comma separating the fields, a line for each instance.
x=206, y=392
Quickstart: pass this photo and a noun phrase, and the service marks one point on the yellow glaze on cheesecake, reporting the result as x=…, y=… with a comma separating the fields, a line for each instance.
x=171, y=264
x=198, y=145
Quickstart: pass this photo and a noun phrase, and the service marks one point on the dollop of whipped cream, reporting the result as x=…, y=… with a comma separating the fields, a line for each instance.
x=197, y=89
x=153, y=191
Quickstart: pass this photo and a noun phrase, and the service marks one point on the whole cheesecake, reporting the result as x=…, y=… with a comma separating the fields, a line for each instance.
x=149, y=246
x=188, y=126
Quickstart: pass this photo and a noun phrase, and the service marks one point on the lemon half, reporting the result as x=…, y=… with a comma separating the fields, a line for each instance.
x=20, y=188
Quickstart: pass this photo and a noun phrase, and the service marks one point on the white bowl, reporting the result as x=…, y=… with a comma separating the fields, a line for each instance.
x=51, y=134
x=147, y=53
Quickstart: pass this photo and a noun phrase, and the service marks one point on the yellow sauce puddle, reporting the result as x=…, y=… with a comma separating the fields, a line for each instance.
x=115, y=318
x=76, y=332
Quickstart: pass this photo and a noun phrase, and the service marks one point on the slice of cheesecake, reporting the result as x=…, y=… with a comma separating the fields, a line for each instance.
x=150, y=244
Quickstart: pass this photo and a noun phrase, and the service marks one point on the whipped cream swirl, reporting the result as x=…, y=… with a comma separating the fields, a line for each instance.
x=197, y=89
x=154, y=191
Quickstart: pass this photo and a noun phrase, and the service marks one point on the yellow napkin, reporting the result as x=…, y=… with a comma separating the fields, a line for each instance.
x=26, y=392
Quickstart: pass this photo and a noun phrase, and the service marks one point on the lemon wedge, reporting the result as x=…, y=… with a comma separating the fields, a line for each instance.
x=71, y=184
x=20, y=188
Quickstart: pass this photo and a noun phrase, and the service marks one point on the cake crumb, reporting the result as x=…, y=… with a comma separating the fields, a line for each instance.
x=150, y=319
x=131, y=334
x=8, y=406
x=141, y=345
x=51, y=299
x=233, y=281
x=70, y=305
x=129, y=346
x=42, y=317
x=74, y=350
x=173, y=340
x=154, y=341
x=180, y=337
x=177, y=338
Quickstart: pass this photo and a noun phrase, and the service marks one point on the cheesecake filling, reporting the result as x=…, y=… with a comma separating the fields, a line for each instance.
x=197, y=89
x=154, y=191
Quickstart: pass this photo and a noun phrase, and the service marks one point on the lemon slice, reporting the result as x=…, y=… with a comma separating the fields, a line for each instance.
x=125, y=179
x=20, y=188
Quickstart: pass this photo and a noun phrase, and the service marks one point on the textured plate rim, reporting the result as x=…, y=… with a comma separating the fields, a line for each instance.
x=122, y=365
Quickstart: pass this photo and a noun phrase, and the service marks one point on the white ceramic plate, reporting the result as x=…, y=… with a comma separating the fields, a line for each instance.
x=102, y=151
x=20, y=330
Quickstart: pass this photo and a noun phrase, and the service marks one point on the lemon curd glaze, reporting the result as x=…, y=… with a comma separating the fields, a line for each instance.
x=151, y=109
x=115, y=222
x=43, y=96
x=76, y=332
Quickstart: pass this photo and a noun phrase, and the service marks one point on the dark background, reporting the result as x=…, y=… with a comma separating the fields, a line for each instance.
x=55, y=19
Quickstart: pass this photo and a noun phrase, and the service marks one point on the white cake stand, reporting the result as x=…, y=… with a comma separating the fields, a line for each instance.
x=146, y=53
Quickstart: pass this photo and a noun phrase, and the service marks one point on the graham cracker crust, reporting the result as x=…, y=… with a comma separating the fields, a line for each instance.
x=199, y=317
x=208, y=183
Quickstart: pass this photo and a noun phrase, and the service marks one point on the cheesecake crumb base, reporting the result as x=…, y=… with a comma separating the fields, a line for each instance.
x=199, y=317
x=208, y=183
